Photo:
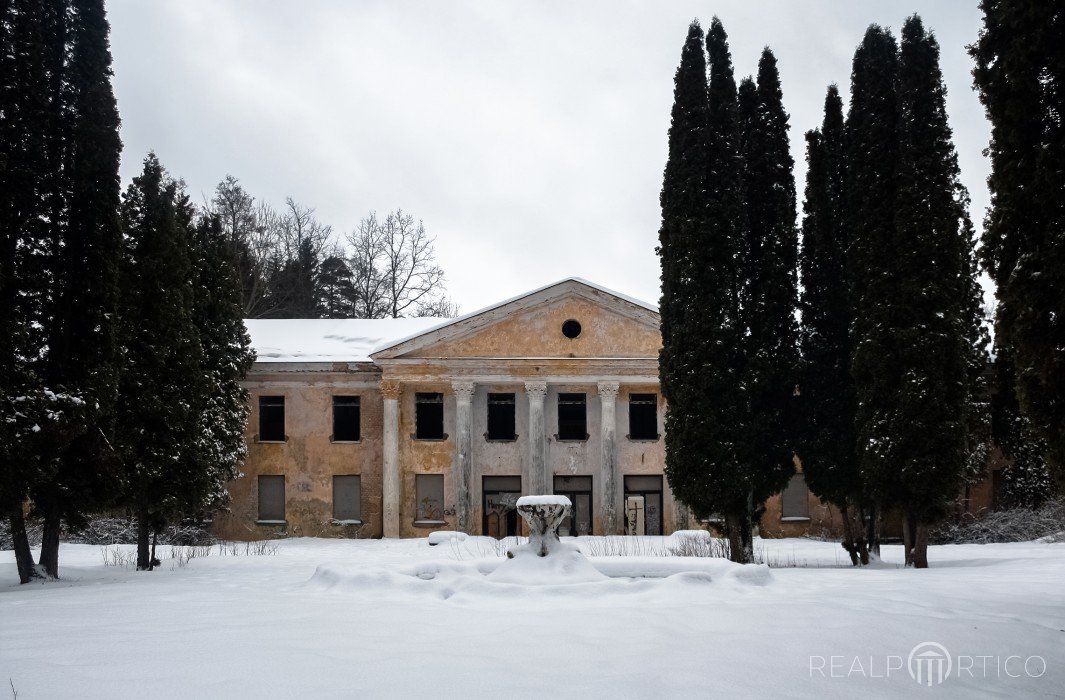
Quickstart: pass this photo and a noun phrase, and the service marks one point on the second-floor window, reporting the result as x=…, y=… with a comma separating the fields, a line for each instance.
x=643, y=416
x=501, y=417
x=429, y=416
x=572, y=417
x=346, y=419
x=272, y=418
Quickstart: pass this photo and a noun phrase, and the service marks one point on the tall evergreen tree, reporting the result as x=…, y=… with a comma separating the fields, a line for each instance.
x=827, y=391
x=226, y=358
x=82, y=357
x=929, y=426
x=871, y=191
x=1020, y=75
x=687, y=381
x=701, y=242
x=1027, y=478
x=162, y=387
x=768, y=291
x=26, y=150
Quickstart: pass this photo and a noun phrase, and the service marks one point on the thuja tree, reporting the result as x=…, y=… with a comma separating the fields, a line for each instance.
x=699, y=301
x=870, y=193
x=768, y=293
x=827, y=447
x=933, y=319
x=1020, y=75
x=1027, y=478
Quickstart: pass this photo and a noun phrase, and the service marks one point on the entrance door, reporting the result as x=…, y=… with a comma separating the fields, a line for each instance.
x=501, y=494
x=578, y=489
x=643, y=505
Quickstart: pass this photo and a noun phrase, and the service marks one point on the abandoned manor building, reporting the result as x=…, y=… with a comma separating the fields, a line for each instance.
x=397, y=427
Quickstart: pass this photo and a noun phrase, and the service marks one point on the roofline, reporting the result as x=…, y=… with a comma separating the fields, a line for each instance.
x=511, y=300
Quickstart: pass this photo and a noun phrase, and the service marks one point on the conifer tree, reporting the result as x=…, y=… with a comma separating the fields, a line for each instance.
x=928, y=427
x=1020, y=75
x=827, y=391
x=162, y=387
x=689, y=373
x=336, y=289
x=871, y=190
x=1027, y=478
x=768, y=290
x=226, y=358
x=81, y=360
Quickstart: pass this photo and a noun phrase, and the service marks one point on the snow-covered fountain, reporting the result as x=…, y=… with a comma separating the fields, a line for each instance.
x=543, y=514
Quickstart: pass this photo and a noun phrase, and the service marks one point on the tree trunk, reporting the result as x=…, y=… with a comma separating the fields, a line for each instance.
x=23, y=556
x=909, y=531
x=741, y=543
x=872, y=529
x=854, y=540
x=153, y=561
x=49, y=560
x=143, y=559
x=920, y=546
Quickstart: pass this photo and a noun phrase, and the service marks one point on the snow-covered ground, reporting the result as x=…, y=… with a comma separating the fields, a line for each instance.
x=368, y=619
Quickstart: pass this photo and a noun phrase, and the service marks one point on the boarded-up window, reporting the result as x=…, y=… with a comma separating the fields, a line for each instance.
x=572, y=417
x=501, y=494
x=429, y=490
x=501, y=417
x=346, y=418
x=272, y=498
x=643, y=416
x=272, y=418
x=429, y=416
x=347, y=497
x=794, y=500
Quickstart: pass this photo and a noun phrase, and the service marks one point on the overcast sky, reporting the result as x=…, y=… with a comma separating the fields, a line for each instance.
x=529, y=136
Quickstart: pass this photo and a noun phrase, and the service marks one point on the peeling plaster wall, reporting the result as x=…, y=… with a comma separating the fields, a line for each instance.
x=308, y=459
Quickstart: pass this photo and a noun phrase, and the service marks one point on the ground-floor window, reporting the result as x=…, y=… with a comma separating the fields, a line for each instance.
x=429, y=492
x=347, y=497
x=795, y=500
x=272, y=498
x=643, y=505
x=501, y=494
x=579, y=491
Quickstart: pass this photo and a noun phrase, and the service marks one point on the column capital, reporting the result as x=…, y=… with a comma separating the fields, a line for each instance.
x=391, y=389
x=609, y=390
x=463, y=390
x=536, y=390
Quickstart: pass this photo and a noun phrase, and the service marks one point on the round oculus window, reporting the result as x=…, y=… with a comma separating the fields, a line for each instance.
x=571, y=329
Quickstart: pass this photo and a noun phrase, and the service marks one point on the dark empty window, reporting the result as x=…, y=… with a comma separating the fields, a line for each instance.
x=794, y=500
x=429, y=416
x=272, y=418
x=572, y=417
x=347, y=497
x=501, y=417
x=578, y=489
x=643, y=416
x=272, y=498
x=571, y=329
x=346, y=418
x=429, y=490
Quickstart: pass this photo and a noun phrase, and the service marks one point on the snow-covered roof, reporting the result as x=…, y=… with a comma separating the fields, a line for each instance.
x=328, y=339
x=354, y=340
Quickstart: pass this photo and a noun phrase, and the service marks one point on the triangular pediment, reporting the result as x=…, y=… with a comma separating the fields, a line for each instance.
x=611, y=325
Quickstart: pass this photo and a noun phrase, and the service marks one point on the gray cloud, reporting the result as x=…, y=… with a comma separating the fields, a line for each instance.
x=530, y=137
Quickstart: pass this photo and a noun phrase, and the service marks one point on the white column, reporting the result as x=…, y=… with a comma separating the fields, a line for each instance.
x=608, y=394
x=390, y=479
x=537, y=482
x=463, y=464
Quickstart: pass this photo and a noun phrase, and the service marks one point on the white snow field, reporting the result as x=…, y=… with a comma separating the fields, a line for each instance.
x=399, y=618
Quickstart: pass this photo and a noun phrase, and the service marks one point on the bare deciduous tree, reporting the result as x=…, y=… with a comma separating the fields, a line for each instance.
x=394, y=262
